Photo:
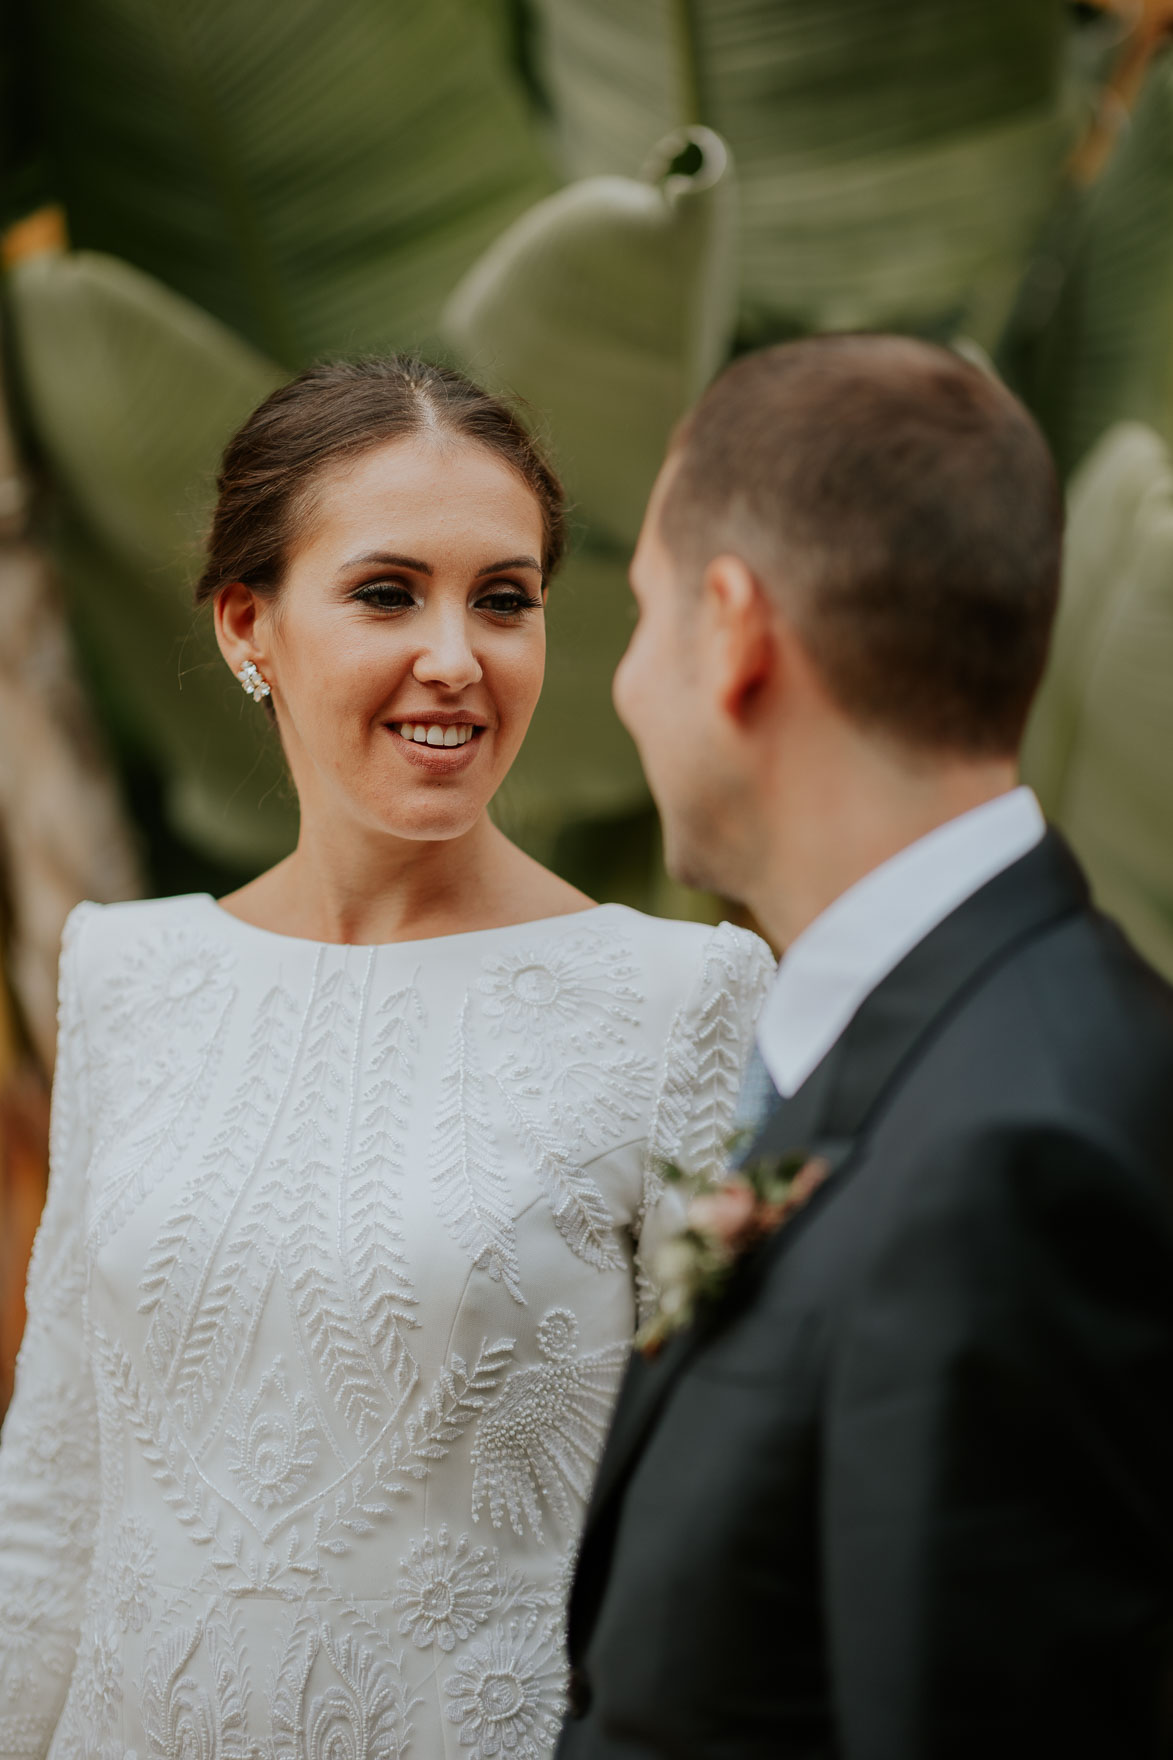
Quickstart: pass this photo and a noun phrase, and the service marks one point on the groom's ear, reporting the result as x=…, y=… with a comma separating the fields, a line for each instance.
x=740, y=637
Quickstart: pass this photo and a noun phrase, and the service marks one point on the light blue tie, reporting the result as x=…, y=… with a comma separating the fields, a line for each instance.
x=758, y=1096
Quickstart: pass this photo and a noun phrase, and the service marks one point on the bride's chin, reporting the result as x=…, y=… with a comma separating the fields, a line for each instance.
x=439, y=820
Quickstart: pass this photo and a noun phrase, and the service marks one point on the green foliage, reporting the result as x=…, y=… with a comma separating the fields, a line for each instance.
x=134, y=392
x=320, y=177
x=1102, y=349
x=317, y=176
x=609, y=307
x=1101, y=739
x=895, y=157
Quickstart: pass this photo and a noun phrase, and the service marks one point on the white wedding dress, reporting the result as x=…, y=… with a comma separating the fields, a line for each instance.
x=327, y=1312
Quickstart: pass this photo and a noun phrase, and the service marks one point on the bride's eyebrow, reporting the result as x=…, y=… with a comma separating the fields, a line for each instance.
x=510, y=562
x=389, y=560
x=411, y=563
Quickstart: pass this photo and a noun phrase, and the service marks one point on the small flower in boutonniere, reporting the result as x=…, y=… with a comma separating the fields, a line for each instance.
x=724, y=1220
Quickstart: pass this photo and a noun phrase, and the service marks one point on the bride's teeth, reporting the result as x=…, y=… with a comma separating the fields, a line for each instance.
x=421, y=733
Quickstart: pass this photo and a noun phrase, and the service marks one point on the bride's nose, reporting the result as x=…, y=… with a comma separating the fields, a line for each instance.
x=446, y=655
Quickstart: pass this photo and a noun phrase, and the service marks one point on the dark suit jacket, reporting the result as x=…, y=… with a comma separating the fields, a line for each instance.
x=906, y=1491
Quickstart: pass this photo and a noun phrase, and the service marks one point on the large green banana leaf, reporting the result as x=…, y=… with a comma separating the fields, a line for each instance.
x=607, y=307
x=1105, y=351
x=317, y=174
x=131, y=393
x=1100, y=745
x=895, y=157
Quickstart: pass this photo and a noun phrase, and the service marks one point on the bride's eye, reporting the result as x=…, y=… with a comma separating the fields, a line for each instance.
x=508, y=603
x=385, y=595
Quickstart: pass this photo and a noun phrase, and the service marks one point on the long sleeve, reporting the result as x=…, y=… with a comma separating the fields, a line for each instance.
x=48, y=1451
x=700, y=1081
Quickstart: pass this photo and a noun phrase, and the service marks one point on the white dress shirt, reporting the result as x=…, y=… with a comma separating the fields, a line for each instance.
x=841, y=957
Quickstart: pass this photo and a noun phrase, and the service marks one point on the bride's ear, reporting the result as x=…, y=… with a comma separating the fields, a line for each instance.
x=236, y=615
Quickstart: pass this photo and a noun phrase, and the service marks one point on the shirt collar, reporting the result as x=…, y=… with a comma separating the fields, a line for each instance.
x=841, y=957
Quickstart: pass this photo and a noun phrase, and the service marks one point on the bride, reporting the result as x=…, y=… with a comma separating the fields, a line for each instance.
x=353, y=1171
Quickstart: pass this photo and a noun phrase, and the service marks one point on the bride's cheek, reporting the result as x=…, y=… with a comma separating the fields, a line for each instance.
x=518, y=677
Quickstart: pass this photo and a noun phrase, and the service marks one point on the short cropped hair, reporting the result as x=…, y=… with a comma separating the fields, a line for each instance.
x=902, y=507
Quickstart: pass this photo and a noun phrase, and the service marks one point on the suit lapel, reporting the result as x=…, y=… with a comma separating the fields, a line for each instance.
x=831, y=1109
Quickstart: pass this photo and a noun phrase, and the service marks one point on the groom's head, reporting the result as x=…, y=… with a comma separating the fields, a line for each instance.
x=851, y=556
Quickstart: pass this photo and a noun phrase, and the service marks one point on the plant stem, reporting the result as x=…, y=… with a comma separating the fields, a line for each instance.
x=684, y=29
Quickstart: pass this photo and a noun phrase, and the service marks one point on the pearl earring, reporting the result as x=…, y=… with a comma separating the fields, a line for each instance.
x=254, y=685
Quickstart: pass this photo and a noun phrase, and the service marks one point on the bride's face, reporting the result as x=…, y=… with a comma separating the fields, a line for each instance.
x=406, y=647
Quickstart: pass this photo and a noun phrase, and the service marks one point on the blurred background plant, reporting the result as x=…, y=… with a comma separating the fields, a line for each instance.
x=593, y=203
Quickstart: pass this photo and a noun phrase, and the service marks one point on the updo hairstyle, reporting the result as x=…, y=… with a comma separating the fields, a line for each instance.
x=329, y=415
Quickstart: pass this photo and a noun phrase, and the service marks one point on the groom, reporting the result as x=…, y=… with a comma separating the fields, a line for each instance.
x=904, y=1490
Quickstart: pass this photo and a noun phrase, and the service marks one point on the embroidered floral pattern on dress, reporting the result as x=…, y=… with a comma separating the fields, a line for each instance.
x=304, y=1275
x=507, y=1695
x=338, y=1694
x=194, y=1689
x=577, y=991
x=272, y=1441
x=542, y=1438
x=38, y=1627
x=448, y=1590
x=129, y=1588
x=573, y=1085
x=99, y=1683
x=50, y=1442
x=169, y=980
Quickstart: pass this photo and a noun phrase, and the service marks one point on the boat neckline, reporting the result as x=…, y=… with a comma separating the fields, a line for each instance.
x=246, y=928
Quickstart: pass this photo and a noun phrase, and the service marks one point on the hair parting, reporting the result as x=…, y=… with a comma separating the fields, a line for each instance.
x=330, y=415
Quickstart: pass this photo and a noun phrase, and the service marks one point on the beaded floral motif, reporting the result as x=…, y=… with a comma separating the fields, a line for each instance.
x=338, y=1694
x=129, y=1588
x=194, y=1690
x=272, y=1441
x=447, y=1590
x=577, y=991
x=170, y=982
x=98, y=1688
x=507, y=1695
x=37, y=1629
x=571, y=1084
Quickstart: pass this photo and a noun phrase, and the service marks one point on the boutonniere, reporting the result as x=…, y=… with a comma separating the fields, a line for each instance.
x=725, y=1218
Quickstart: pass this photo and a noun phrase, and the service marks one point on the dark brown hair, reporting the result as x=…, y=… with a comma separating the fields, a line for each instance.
x=903, y=506
x=331, y=414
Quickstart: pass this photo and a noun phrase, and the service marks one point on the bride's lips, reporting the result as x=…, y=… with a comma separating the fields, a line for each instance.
x=436, y=759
